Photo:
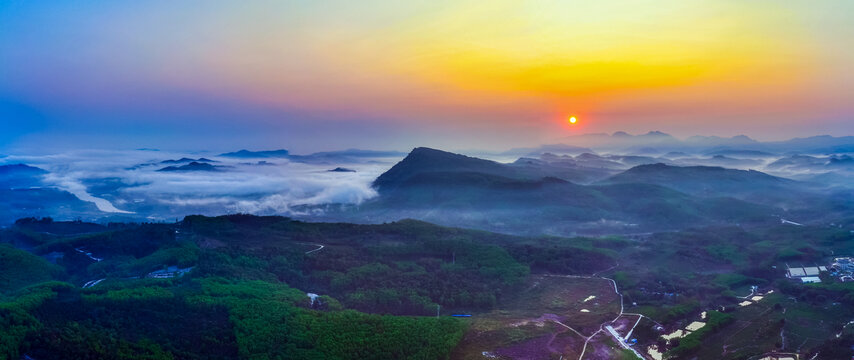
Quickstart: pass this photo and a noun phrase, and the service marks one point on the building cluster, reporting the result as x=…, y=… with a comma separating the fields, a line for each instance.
x=805, y=274
x=842, y=268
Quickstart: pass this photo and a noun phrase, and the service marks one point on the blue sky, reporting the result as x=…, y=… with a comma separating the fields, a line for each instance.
x=311, y=76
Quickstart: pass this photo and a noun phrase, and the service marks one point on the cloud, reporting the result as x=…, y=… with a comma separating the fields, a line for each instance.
x=127, y=182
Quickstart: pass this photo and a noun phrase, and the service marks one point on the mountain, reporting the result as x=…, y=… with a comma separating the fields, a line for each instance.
x=843, y=161
x=623, y=140
x=281, y=153
x=345, y=156
x=798, y=165
x=822, y=144
x=721, y=161
x=656, y=141
x=23, y=194
x=634, y=160
x=657, y=136
x=325, y=157
x=21, y=268
x=425, y=160
x=20, y=176
x=551, y=148
x=341, y=169
x=583, y=169
x=798, y=162
x=675, y=155
x=596, y=161
x=20, y=169
x=447, y=188
x=39, y=202
x=193, y=166
x=712, y=181
x=186, y=160
x=717, y=141
x=751, y=154
x=357, y=153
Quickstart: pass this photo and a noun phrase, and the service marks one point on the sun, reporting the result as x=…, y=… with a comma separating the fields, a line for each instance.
x=572, y=120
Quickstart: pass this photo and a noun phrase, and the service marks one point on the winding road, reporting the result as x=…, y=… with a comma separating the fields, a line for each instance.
x=92, y=283
x=319, y=247
x=606, y=326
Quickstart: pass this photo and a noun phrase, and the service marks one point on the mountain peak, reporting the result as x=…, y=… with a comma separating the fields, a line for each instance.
x=20, y=168
x=424, y=160
x=743, y=138
x=192, y=166
x=243, y=153
x=657, y=133
x=426, y=151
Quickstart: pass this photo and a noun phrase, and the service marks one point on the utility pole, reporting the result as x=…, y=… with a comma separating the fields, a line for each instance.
x=437, y=309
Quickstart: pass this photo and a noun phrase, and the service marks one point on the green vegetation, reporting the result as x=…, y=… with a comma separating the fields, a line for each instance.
x=401, y=268
x=235, y=303
x=691, y=343
x=285, y=331
x=380, y=287
x=21, y=268
x=17, y=322
x=208, y=318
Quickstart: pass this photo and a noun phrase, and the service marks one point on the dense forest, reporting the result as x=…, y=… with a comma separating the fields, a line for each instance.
x=238, y=286
x=382, y=286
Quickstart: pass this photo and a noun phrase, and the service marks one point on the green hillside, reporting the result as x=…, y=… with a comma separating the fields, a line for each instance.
x=21, y=268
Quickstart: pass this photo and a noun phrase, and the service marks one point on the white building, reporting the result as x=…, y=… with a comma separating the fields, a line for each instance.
x=810, y=272
x=810, y=279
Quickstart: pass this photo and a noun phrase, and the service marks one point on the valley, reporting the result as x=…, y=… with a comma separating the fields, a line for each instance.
x=565, y=257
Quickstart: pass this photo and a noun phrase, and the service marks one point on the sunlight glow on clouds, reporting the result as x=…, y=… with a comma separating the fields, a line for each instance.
x=513, y=67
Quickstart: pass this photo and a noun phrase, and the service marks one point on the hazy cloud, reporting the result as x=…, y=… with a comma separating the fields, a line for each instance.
x=127, y=182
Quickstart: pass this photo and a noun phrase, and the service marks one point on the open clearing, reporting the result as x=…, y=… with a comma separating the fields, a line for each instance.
x=547, y=322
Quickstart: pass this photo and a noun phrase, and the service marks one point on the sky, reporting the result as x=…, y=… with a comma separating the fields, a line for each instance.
x=455, y=74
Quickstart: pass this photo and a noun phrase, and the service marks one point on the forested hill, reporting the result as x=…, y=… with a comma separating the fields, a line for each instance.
x=802, y=200
x=77, y=290
x=114, y=292
x=707, y=180
x=457, y=190
x=426, y=160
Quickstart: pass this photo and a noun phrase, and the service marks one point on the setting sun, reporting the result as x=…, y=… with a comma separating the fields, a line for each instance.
x=572, y=120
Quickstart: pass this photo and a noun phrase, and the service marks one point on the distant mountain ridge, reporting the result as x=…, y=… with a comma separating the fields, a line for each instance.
x=325, y=157
x=448, y=188
x=186, y=160
x=656, y=141
x=713, y=181
x=193, y=166
x=550, y=148
x=20, y=175
x=256, y=154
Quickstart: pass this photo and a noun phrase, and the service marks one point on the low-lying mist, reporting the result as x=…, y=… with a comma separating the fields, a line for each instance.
x=134, y=184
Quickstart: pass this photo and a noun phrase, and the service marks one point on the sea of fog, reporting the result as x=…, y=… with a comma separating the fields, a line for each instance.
x=132, y=184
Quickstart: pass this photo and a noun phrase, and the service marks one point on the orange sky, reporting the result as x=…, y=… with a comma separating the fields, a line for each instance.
x=766, y=68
